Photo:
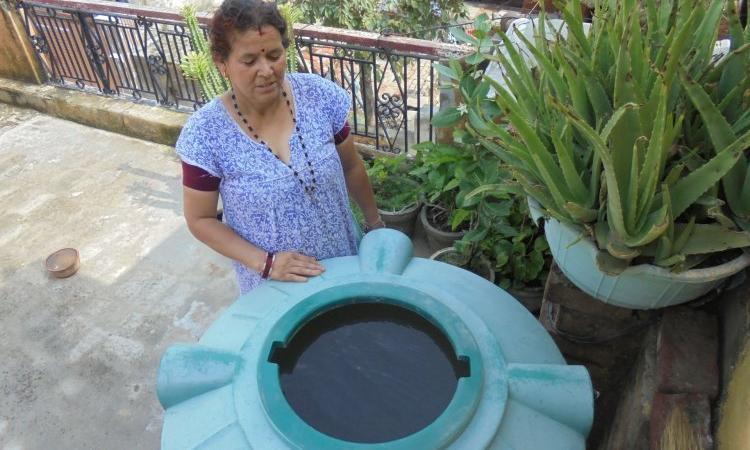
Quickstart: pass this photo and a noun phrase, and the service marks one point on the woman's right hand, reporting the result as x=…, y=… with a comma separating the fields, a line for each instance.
x=290, y=266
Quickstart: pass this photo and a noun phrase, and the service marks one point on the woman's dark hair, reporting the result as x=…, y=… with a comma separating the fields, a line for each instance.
x=237, y=16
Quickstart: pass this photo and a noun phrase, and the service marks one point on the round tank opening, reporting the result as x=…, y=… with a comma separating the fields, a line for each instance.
x=368, y=372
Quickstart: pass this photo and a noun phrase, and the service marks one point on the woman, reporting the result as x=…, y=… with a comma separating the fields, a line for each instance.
x=277, y=148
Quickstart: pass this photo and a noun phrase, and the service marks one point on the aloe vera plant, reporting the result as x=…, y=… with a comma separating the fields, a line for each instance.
x=608, y=129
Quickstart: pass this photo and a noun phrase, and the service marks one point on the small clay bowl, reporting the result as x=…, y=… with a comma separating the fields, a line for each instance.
x=63, y=263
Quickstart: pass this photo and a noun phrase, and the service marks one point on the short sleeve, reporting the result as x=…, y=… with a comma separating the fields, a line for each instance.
x=338, y=105
x=194, y=145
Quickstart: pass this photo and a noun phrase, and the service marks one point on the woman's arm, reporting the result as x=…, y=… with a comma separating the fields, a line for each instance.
x=200, y=215
x=357, y=182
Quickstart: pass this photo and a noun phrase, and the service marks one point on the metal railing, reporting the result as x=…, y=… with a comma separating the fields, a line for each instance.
x=121, y=50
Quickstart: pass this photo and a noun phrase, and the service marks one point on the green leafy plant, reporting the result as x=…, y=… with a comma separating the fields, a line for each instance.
x=291, y=14
x=198, y=64
x=395, y=189
x=506, y=236
x=593, y=130
x=447, y=174
x=392, y=16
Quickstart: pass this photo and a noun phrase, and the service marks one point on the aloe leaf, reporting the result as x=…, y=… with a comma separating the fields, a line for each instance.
x=609, y=264
x=637, y=58
x=654, y=226
x=710, y=238
x=677, y=51
x=540, y=194
x=617, y=248
x=518, y=63
x=651, y=24
x=548, y=67
x=652, y=162
x=601, y=234
x=663, y=249
x=632, y=188
x=744, y=199
x=574, y=21
x=659, y=60
x=704, y=37
x=567, y=165
x=674, y=175
x=682, y=235
x=598, y=143
x=722, y=136
x=599, y=99
x=716, y=212
x=686, y=191
x=671, y=261
x=596, y=170
x=576, y=88
x=580, y=213
x=551, y=177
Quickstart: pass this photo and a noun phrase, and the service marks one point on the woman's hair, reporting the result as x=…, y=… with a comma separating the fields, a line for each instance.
x=237, y=16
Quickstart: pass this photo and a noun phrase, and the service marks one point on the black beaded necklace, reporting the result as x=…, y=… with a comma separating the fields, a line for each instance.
x=309, y=188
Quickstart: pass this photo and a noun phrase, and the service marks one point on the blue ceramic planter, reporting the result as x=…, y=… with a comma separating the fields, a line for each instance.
x=519, y=394
x=638, y=287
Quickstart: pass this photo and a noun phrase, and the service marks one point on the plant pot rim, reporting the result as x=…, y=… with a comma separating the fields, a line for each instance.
x=482, y=260
x=408, y=209
x=691, y=275
x=426, y=223
x=526, y=289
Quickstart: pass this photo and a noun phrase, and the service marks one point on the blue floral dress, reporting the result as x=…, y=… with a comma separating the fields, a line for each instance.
x=263, y=201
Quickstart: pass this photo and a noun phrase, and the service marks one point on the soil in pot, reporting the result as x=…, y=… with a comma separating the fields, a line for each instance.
x=437, y=228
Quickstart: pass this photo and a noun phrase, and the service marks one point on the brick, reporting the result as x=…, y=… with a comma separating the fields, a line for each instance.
x=696, y=409
x=687, y=353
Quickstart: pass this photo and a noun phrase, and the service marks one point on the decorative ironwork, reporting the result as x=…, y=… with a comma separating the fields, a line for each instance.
x=40, y=44
x=96, y=54
x=156, y=65
x=134, y=52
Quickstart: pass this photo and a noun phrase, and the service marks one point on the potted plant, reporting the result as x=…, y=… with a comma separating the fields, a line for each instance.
x=447, y=172
x=595, y=132
x=475, y=262
x=507, y=236
x=396, y=191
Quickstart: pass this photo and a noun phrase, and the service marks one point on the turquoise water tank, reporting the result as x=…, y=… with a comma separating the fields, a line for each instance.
x=382, y=351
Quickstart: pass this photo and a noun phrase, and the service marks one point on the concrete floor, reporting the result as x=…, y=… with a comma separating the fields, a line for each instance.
x=78, y=356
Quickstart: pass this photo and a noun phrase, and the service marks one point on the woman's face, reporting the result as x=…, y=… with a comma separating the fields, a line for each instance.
x=256, y=65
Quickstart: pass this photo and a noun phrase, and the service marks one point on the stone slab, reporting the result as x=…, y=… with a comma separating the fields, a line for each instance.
x=139, y=120
x=79, y=355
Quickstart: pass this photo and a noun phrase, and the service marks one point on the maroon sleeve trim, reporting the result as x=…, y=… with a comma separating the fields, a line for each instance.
x=343, y=134
x=196, y=178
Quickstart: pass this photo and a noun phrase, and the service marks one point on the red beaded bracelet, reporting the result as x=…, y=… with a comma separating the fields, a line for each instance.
x=268, y=265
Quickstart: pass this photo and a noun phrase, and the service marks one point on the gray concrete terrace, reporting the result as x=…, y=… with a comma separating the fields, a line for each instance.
x=80, y=355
